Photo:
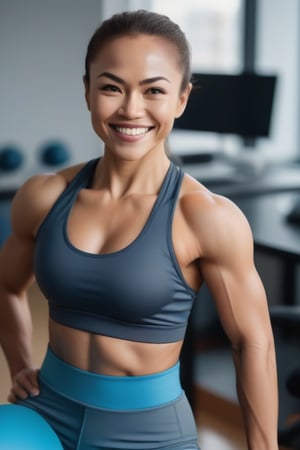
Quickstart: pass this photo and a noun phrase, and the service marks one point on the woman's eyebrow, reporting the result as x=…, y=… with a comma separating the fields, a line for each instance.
x=121, y=81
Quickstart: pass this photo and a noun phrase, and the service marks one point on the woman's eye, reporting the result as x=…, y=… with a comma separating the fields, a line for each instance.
x=155, y=90
x=110, y=88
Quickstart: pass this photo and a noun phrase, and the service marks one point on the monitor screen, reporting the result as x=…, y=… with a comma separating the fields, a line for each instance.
x=232, y=104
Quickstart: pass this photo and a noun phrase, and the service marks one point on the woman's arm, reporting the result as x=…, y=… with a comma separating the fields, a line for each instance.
x=245, y=319
x=226, y=264
x=29, y=207
x=15, y=317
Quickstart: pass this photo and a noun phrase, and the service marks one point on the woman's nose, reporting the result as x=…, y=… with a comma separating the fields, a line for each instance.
x=132, y=106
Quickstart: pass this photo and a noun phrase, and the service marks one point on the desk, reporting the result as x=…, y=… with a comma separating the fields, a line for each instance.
x=230, y=180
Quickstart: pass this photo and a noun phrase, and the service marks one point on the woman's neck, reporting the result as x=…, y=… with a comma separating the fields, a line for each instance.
x=122, y=178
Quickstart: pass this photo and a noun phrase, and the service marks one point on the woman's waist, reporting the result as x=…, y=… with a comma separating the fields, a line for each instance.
x=111, y=391
x=111, y=356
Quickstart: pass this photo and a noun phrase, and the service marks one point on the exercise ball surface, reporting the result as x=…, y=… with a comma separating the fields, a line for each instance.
x=22, y=428
x=54, y=154
x=11, y=158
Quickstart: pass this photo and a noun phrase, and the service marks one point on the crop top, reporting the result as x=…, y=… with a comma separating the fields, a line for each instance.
x=137, y=293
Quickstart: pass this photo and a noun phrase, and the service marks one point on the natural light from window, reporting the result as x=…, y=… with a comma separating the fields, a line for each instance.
x=213, y=28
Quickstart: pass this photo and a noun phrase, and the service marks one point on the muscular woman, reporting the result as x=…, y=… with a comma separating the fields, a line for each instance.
x=120, y=246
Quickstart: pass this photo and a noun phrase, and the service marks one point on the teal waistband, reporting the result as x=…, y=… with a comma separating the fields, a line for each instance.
x=111, y=392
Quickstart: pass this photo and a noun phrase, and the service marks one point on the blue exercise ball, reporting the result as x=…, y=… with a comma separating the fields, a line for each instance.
x=54, y=153
x=22, y=428
x=11, y=158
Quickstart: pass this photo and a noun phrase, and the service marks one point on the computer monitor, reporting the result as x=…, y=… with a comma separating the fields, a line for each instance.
x=230, y=104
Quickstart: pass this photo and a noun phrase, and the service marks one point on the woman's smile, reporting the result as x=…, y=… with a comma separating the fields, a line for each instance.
x=130, y=133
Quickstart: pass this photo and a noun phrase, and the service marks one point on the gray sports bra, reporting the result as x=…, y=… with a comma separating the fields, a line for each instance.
x=137, y=293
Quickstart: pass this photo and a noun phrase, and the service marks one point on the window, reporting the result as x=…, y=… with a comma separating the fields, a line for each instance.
x=213, y=28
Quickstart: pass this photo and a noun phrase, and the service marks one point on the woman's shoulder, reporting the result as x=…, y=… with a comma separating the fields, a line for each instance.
x=209, y=214
x=196, y=197
x=36, y=196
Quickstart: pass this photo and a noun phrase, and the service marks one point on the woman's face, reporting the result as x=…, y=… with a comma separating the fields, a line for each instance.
x=134, y=94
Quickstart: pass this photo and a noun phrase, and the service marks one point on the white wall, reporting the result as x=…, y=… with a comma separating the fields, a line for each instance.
x=42, y=48
x=110, y=7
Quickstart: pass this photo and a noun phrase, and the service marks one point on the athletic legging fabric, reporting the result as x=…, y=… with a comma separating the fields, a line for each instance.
x=98, y=412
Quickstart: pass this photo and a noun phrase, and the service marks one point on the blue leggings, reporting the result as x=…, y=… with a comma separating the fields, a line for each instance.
x=90, y=411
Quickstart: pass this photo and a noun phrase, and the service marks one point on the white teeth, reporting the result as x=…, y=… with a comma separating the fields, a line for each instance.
x=131, y=131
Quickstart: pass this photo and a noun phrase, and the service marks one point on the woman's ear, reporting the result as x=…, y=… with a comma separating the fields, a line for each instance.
x=183, y=99
x=86, y=91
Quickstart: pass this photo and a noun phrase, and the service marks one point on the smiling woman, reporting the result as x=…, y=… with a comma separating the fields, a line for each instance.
x=120, y=246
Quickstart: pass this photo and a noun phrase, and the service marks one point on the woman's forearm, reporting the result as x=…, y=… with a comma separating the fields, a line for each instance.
x=15, y=331
x=258, y=397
